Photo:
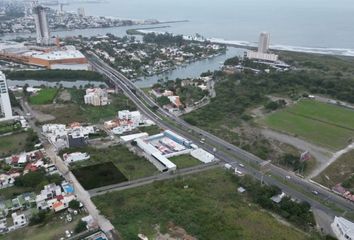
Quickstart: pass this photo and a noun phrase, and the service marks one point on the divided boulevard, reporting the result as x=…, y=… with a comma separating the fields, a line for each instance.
x=293, y=185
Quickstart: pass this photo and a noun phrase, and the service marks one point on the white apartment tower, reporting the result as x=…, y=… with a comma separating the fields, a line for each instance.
x=5, y=104
x=263, y=44
x=81, y=12
x=42, y=28
x=343, y=228
x=96, y=97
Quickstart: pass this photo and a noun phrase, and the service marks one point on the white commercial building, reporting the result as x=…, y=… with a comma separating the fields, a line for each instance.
x=132, y=137
x=263, y=44
x=96, y=97
x=262, y=56
x=149, y=149
x=160, y=147
x=203, y=155
x=343, y=229
x=5, y=104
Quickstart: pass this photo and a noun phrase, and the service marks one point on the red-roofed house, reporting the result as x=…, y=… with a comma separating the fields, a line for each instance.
x=58, y=206
x=339, y=189
x=175, y=100
x=31, y=167
x=14, y=160
x=60, y=197
x=39, y=155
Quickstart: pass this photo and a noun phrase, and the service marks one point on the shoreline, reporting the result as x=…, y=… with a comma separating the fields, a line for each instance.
x=276, y=47
x=139, y=28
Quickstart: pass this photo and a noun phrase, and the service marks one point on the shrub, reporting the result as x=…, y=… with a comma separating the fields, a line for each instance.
x=80, y=227
x=38, y=218
x=74, y=204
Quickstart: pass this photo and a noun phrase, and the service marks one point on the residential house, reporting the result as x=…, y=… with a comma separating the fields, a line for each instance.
x=6, y=181
x=19, y=220
x=75, y=157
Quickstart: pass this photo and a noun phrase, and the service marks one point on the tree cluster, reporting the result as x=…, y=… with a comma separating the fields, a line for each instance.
x=54, y=75
x=37, y=180
x=293, y=162
x=295, y=212
x=163, y=39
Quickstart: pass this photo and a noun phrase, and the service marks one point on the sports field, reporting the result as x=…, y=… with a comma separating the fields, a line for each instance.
x=44, y=96
x=323, y=124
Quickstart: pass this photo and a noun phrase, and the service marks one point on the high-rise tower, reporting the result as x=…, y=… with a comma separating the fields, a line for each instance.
x=5, y=104
x=263, y=44
x=81, y=12
x=42, y=28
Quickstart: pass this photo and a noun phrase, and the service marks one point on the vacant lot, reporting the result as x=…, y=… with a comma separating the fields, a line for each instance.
x=151, y=130
x=44, y=96
x=338, y=172
x=323, y=124
x=9, y=127
x=53, y=228
x=12, y=144
x=76, y=111
x=99, y=175
x=131, y=165
x=185, y=161
x=210, y=208
x=11, y=192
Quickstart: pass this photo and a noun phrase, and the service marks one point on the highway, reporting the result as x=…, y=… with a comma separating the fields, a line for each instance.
x=291, y=184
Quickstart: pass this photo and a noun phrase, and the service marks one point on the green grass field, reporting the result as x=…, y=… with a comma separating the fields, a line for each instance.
x=323, y=124
x=210, y=208
x=44, y=96
x=131, y=165
x=185, y=161
x=12, y=144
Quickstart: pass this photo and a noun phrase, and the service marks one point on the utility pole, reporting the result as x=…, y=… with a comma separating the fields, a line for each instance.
x=265, y=167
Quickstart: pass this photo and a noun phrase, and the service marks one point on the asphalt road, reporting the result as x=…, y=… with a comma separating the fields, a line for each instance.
x=82, y=195
x=151, y=179
x=291, y=184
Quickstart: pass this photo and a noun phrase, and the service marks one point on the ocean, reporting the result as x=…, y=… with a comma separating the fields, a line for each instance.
x=297, y=23
x=317, y=26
